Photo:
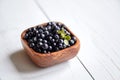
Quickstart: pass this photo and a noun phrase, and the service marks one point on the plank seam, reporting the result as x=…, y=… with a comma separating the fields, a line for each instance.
x=85, y=68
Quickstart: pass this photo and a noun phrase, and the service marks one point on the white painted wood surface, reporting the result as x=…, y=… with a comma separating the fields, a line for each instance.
x=15, y=16
x=97, y=24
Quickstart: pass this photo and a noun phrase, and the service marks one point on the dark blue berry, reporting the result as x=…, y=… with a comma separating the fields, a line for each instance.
x=38, y=27
x=52, y=40
x=38, y=35
x=34, y=39
x=31, y=45
x=56, y=48
x=39, y=44
x=54, y=44
x=50, y=48
x=49, y=23
x=40, y=30
x=45, y=46
x=36, y=31
x=56, y=36
x=44, y=41
x=46, y=33
x=59, y=24
x=64, y=45
x=74, y=38
x=54, y=24
x=26, y=36
x=49, y=28
x=45, y=28
x=61, y=41
x=49, y=37
x=44, y=51
x=39, y=50
x=30, y=41
x=56, y=28
x=60, y=45
x=30, y=34
x=34, y=28
x=71, y=42
x=42, y=35
x=40, y=40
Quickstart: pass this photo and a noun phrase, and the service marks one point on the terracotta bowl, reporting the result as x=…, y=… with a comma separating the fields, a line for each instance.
x=49, y=59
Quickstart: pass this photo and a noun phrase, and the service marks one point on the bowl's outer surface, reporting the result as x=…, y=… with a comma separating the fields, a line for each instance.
x=49, y=59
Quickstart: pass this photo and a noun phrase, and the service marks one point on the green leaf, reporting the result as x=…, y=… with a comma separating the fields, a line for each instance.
x=68, y=37
x=63, y=31
x=63, y=35
x=66, y=42
x=59, y=32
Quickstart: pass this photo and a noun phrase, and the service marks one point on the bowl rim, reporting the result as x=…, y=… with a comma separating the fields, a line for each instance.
x=51, y=53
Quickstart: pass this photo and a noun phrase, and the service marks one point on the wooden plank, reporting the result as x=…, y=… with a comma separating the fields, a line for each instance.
x=15, y=16
x=98, y=23
x=19, y=15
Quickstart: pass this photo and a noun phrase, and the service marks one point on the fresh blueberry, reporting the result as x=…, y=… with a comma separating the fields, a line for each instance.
x=36, y=31
x=26, y=36
x=45, y=46
x=30, y=41
x=42, y=35
x=56, y=27
x=74, y=38
x=64, y=45
x=49, y=23
x=71, y=42
x=44, y=41
x=60, y=45
x=50, y=48
x=39, y=50
x=56, y=48
x=44, y=51
x=38, y=35
x=56, y=36
x=52, y=40
x=49, y=28
x=45, y=28
x=39, y=44
x=46, y=33
x=61, y=41
x=49, y=37
x=40, y=30
x=31, y=45
x=30, y=34
x=34, y=39
x=54, y=44
x=40, y=40
x=34, y=28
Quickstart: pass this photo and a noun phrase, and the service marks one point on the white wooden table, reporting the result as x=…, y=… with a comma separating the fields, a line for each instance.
x=95, y=22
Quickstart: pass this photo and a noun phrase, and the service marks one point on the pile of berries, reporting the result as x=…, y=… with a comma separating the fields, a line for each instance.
x=51, y=37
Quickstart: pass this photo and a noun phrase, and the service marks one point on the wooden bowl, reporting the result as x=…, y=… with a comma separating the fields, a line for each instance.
x=49, y=59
